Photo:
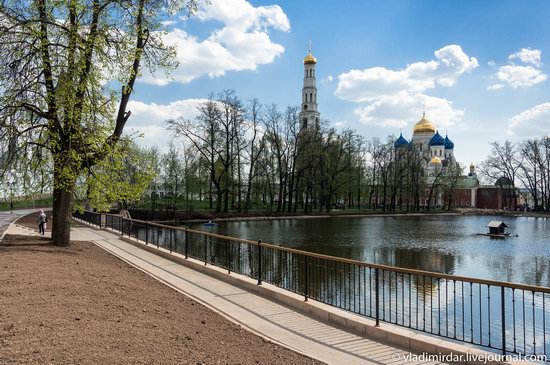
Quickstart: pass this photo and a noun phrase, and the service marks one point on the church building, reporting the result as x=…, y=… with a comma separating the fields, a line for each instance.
x=437, y=151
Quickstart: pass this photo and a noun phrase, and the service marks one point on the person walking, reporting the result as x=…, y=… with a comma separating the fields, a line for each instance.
x=42, y=219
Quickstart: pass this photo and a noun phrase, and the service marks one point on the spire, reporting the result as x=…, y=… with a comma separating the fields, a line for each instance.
x=309, y=116
x=309, y=59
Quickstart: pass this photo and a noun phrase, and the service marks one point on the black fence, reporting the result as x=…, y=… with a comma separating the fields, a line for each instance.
x=512, y=318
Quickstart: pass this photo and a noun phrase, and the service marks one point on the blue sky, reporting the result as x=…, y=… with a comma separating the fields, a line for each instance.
x=480, y=67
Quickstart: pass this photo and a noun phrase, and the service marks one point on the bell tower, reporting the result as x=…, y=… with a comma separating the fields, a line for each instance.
x=309, y=116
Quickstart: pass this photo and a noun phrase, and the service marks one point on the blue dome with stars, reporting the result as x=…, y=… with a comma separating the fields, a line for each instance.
x=449, y=145
x=400, y=142
x=437, y=140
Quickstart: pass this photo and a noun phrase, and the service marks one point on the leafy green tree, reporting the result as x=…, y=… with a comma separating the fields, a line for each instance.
x=60, y=64
x=120, y=177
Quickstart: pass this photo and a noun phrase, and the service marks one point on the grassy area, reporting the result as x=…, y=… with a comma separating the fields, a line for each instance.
x=26, y=204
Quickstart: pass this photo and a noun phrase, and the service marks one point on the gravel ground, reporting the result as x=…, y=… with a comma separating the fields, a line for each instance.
x=83, y=305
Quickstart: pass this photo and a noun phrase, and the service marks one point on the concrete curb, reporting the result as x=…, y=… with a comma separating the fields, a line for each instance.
x=404, y=338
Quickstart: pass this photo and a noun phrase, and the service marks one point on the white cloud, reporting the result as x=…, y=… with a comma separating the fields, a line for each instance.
x=241, y=43
x=534, y=122
x=327, y=79
x=378, y=82
x=528, y=55
x=395, y=97
x=150, y=119
x=518, y=76
x=404, y=108
x=340, y=124
x=495, y=87
x=241, y=14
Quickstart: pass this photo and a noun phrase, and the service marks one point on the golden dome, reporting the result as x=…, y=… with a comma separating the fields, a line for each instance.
x=436, y=160
x=424, y=125
x=310, y=60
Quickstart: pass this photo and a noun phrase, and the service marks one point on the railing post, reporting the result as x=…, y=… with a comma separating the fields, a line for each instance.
x=122, y=226
x=259, y=262
x=228, y=256
x=186, y=243
x=503, y=315
x=205, y=250
x=377, y=296
x=170, y=238
x=146, y=233
x=306, y=285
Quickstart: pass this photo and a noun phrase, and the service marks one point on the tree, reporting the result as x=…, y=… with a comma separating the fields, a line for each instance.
x=256, y=147
x=502, y=165
x=172, y=176
x=453, y=172
x=277, y=134
x=120, y=177
x=434, y=183
x=58, y=59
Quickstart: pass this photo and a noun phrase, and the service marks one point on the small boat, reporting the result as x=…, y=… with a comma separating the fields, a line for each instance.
x=497, y=229
x=209, y=224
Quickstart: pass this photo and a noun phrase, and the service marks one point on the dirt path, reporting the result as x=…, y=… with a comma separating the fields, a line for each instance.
x=82, y=305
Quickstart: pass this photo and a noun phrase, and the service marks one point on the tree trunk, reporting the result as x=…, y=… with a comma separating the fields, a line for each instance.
x=61, y=222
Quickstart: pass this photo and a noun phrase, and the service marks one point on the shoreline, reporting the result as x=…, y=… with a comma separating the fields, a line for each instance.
x=365, y=215
x=320, y=216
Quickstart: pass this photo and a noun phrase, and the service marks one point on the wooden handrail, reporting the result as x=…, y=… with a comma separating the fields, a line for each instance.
x=402, y=270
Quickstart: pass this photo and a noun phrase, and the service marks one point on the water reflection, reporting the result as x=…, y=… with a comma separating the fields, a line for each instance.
x=445, y=244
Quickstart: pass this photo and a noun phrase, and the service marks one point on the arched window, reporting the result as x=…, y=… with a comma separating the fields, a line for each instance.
x=305, y=122
x=311, y=97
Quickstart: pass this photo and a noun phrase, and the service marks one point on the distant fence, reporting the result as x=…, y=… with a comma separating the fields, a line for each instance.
x=512, y=318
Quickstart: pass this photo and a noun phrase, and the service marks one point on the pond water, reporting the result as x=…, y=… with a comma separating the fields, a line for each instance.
x=446, y=244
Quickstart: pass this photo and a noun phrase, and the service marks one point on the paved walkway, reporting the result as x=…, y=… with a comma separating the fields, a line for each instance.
x=7, y=217
x=276, y=322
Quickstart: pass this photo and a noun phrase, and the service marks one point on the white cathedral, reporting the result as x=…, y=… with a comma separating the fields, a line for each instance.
x=438, y=151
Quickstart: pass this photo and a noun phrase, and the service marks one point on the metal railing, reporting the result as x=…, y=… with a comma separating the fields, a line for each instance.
x=512, y=318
